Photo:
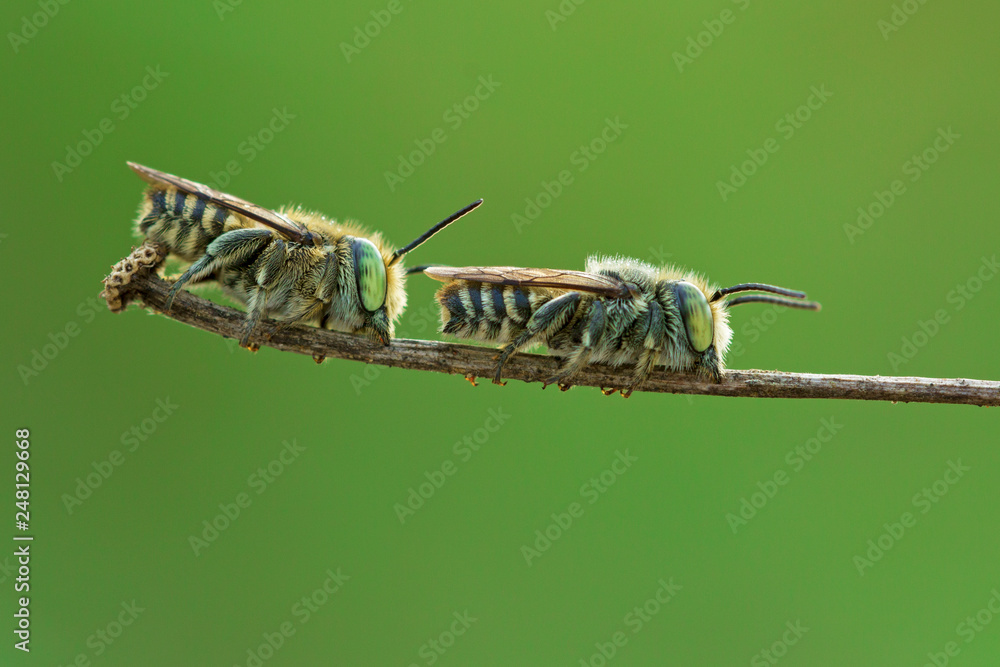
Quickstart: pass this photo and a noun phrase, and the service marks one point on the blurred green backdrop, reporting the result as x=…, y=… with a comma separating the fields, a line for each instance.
x=693, y=553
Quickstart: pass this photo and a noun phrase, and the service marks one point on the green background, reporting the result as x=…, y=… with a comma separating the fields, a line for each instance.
x=371, y=434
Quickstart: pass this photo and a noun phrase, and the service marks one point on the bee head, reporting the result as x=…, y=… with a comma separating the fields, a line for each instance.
x=696, y=313
x=372, y=287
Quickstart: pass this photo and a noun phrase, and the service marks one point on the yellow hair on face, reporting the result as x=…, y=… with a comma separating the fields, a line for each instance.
x=332, y=231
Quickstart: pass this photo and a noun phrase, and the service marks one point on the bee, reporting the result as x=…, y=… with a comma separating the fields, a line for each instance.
x=619, y=312
x=291, y=265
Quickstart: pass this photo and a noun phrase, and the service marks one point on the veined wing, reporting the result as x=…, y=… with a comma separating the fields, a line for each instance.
x=548, y=278
x=265, y=216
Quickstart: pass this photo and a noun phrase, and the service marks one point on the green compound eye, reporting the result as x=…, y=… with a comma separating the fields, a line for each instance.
x=696, y=315
x=370, y=270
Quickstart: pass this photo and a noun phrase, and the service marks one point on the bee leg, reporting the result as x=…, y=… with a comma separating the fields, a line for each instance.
x=709, y=365
x=277, y=327
x=270, y=274
x=590, y=339
x=232, y=249
x=255, y=309
x=544, y=322
x=304, y=315
x=652, y=346
x=507, y=351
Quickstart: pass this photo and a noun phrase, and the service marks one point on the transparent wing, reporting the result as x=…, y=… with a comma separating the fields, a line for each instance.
x=549, y=278
x=265, y=216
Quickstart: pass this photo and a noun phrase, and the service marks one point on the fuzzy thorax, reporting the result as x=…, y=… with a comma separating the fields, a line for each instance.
x=646, y=276
x=332, y=231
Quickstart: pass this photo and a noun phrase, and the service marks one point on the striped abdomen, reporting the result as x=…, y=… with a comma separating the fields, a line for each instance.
x=182, y=222
x=488, y=312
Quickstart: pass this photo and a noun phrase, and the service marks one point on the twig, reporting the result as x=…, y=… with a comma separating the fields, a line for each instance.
x=134, y=277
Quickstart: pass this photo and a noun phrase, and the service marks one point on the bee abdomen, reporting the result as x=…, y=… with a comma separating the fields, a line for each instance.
x=184, y=223
x=485, y=311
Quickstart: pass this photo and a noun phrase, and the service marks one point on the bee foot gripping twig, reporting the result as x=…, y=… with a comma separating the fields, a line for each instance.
x=453, y=358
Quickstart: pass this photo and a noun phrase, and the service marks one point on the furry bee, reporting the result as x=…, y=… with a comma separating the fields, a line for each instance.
x=619, y=312
x=292, y=265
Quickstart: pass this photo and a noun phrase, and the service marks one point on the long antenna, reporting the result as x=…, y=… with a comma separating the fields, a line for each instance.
x=757, y=287
x=760, y=298
x=419, y=269
x=398, y=255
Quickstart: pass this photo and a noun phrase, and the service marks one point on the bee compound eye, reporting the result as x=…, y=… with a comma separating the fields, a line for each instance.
x=369, y=268
x=696, y=314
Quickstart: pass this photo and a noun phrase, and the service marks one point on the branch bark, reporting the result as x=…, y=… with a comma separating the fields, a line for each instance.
x=135, y=278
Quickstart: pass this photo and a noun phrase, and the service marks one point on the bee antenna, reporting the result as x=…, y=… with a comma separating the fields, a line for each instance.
x=398, y=255
x=757, y=287
x=420, y=269
x=760, y=298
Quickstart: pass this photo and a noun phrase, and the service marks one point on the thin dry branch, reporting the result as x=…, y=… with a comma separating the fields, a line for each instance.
x=135, y=278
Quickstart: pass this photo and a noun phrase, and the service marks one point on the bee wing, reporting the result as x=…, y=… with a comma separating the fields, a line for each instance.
x=265, y=216
x=551, y=278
